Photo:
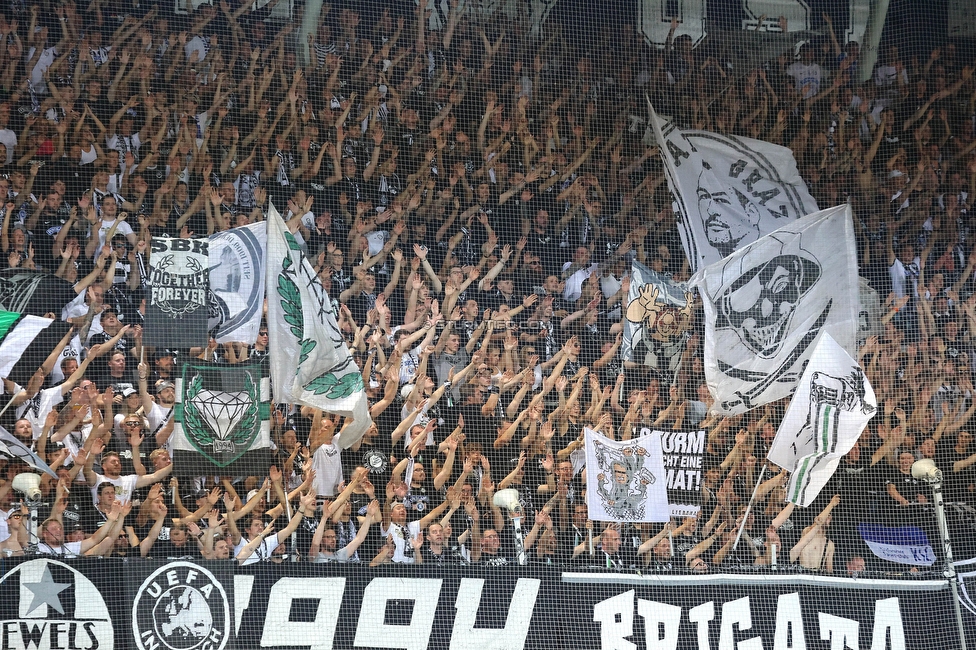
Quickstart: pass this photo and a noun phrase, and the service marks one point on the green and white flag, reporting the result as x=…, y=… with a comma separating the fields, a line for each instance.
x=222, y=419
x=833, y=403
x=25, y=343
x=310, y=362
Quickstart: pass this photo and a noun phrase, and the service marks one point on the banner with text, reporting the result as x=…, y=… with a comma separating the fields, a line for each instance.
x=49, y=602
x=683, y=453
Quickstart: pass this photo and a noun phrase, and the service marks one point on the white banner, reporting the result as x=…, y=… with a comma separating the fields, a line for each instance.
x=766, y=303
x=729, y=191
x=625, y=480
x=833, y=403
x=237, y=282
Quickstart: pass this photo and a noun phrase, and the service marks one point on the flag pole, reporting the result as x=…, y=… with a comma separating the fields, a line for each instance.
x=745, y=516
x=8, y=404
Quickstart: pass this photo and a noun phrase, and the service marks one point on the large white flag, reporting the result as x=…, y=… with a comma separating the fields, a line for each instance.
x=766, y=303
x=729, y=191
x=625, y=480
x=833, y=403
x=310, y=362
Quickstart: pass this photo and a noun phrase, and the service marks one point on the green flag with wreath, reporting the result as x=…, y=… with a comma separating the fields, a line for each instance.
x=310, y=362
x=222, y=419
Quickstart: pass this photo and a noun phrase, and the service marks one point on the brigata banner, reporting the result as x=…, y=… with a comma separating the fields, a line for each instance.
x=50, y=603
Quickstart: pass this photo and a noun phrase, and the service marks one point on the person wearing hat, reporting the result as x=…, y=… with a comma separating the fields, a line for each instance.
x=17, y=539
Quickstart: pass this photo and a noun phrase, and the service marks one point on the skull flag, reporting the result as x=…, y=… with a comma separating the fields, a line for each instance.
x=625, y=480
x=767, y=302
x=658, y=320
x=222, y=419
x=833, y=403
x=729, y=191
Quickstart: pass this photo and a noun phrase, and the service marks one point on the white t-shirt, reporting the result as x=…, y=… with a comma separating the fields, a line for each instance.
x=401, y=540
x=124, y=144
x=4, y=530
x=68, y=549
x=157, y=416
x=125, y=486
x=37, y=74
x=123, y=229
x=574, y=283
x=264, y=551
x=327, y=463
x=809, y=75
x=342, y=555
x=37, y=408
x=9, y=139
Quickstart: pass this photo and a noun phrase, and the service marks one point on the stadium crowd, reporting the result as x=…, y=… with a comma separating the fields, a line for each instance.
x=473, y=198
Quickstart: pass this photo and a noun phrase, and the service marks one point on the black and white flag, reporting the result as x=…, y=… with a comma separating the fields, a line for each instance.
x=179, y=281
x=767, y=302
x=833, y=403
x=729, y=191
x=658, y=320
x=237, y=282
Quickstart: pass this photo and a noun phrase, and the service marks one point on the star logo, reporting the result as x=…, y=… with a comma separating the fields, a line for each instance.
x=46, y=592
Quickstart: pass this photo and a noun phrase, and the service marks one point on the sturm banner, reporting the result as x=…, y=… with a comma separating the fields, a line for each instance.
x=682, y=453
x=625, y=479
x=47, y=603
x=659, y=320
x=222, y=419
x=766, y=304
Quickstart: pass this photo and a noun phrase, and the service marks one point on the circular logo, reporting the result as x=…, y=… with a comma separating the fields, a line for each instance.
x=38, y=591
x=181, y=606
x=375, y=461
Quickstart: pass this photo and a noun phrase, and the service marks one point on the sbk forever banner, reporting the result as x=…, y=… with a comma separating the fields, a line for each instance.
x=107, y=604
x=179, y=281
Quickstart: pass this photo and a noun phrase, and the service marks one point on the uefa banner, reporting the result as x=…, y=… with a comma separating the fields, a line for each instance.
x=142, y=604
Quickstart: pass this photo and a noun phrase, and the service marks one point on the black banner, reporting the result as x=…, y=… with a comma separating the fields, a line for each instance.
x=53, y=603
x=179, y=284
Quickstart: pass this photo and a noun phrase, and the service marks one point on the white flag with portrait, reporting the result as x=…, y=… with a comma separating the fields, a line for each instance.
x=237, y=282
x=729, y=191
x=625, y=480
x=833, y=403
x=767, y=302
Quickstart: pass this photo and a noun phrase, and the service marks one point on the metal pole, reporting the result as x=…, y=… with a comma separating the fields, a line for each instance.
x=8, y=405
x=872, y=38
x=949, y=570
x=745, y=517
x=309, y=26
